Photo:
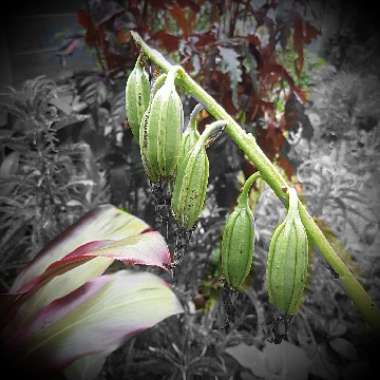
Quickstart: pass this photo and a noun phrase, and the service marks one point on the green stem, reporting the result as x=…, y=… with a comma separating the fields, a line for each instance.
x=138, y=60
x=243, y=197
x=193, y=116
x=209, y=130
x=172, y=74
x=293, y=202
x=247, y=143
x=158, y=83
x=200, y=144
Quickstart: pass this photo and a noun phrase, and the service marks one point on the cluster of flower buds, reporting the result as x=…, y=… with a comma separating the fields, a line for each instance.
x=287, y=262
x=156, y=119
x=166, y=152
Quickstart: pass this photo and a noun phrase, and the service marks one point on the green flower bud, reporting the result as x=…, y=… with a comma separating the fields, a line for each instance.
x=238, y=240
x=137, y=93
x=161, y=131
x=288, y=261
x=191, y=181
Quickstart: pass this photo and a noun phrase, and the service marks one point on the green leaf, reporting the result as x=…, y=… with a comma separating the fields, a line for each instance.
x=104, y=223
x=70, y=266
x=276, y=361
x=95, y=319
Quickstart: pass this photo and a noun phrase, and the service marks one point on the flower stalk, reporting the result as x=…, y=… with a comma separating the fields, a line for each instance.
x=247, y=143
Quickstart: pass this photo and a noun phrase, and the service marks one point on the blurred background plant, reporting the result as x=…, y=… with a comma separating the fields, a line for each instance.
x=67, y=148
x=47, y=182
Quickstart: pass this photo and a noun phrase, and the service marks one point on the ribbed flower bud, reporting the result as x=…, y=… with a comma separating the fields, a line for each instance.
x=161, y=131
x=288, y=260
x=137, y=94
x=191, y=181
x=238, y=239
x=191, y=134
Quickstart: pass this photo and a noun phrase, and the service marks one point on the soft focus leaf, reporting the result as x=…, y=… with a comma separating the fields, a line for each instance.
x=104, y=223
x=276, y=361
x=336, y=328
x=167, y=41
x=321, y=366
x=190, y=4
x=87, y=262
x=344, y=348
x=303, y=34
x=84, y=19
x=147, y=248
x=298, y=43
x=57, y=287
x=286, y=361
x=185, y=24
x=231, y=65
x=10, y=164
x=96, y=318
x=85, y=368
x=205, y=39
x=249, y=357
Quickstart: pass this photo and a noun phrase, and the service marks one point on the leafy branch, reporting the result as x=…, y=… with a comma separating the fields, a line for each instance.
x=247, y=143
